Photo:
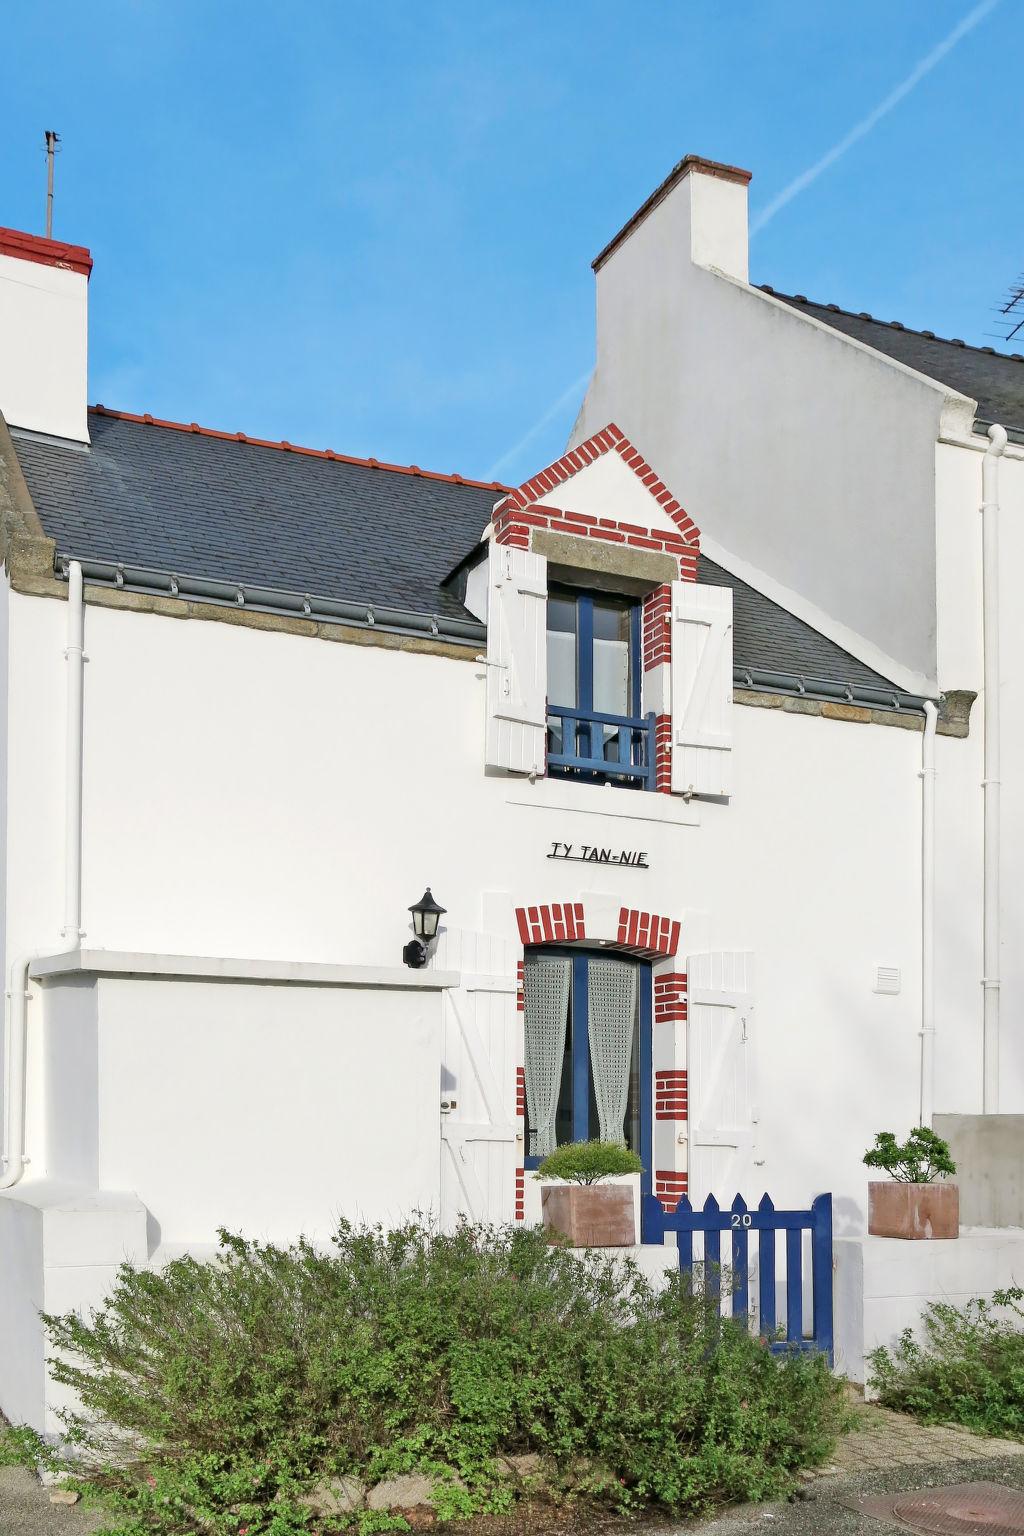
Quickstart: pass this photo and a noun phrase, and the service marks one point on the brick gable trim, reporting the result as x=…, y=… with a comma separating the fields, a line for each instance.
x=610, y=439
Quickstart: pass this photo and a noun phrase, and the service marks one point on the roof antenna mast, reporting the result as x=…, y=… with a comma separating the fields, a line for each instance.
x=52, y=140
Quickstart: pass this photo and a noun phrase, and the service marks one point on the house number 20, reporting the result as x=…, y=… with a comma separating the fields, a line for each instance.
x=739, y=1220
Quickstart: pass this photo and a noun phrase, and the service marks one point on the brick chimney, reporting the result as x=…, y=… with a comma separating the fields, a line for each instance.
x=708, y=202
x=44, y=310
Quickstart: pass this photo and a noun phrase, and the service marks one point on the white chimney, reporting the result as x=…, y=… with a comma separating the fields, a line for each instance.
x=44, y=313
x=707, y=202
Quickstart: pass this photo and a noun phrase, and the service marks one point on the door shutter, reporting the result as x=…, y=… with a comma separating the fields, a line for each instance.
x=479, y=1057
x=701, y=689
x=720, y=1077
x=516, y=659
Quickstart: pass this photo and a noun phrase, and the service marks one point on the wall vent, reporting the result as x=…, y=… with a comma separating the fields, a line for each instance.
x=887, y=979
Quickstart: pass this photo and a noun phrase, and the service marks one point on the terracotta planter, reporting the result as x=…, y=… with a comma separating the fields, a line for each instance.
x=590, y=1215
x=913, y=1210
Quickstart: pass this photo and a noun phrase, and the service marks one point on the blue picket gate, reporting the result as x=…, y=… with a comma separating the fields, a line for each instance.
x=766, y=1221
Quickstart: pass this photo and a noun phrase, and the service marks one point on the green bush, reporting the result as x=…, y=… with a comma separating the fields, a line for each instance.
x=968, y=1369
x=20, y=1446
x=213, y=1395
x=919, y=1160
x=585, y=1162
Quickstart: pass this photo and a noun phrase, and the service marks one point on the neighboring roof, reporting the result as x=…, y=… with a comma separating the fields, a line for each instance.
x=994, y=379
x=176, y=509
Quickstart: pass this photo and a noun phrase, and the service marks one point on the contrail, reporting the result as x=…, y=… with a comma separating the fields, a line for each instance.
x=927, y=64
x=567, y=395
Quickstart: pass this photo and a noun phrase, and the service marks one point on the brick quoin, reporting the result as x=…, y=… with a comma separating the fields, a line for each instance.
x=521, y=1092
x=520, y=1194
x=670, y=998
x=670, y=1095
x=669, y=1188
x=657, y=627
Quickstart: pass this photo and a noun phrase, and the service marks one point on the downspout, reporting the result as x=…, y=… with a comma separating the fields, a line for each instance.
x=927, y=1105
x=18, y=994
x=990, y=783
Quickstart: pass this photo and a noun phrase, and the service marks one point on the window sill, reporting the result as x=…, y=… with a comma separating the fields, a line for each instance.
x=604, y=800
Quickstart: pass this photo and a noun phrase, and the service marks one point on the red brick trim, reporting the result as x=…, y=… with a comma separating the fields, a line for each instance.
x=514, y=527
x=670, y=998
x=47, y=253
x=520, y=1206
x=663, y=754
x=610, y=439
x=657, y=627
x=670, y=1095
x=647, y=934
x=521, y=1093
x=284, y=447
x=559, y=923
x=520, y=997
x=670, y=1187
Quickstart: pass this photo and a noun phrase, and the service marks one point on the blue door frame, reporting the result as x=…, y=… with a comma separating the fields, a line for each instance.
x=766, y=1221
x=581, y=1128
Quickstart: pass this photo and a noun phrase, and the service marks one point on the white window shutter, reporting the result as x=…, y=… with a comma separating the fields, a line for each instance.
x=701, y=689
x=516, y=659
x=720, y=1053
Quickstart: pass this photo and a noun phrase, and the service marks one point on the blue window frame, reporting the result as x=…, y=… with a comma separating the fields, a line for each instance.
x=595, y=729
x=576, y=1116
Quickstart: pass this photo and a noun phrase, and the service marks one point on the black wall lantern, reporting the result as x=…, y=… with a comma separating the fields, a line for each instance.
x=425, y=917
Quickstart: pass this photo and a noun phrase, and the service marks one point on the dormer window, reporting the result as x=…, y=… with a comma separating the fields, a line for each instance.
x=595, y=730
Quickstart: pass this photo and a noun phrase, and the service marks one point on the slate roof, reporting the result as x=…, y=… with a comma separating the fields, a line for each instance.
x=168, y=498
x=994, y=379
x=205, y=504
x=768, y=638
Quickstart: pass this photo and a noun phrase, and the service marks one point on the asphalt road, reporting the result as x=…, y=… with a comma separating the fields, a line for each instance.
x=819, y=1510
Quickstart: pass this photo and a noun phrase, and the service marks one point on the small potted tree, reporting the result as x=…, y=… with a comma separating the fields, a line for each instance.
x=911, y=1203
x=577, y=1205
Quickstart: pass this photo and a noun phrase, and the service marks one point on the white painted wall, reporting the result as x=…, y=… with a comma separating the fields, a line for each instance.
x=958, y=785
x=794, y=449
x=44, y=348
x=882, y=1285
x=243, y=798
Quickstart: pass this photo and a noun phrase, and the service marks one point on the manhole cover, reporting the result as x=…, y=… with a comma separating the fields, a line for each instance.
x=986, y=1509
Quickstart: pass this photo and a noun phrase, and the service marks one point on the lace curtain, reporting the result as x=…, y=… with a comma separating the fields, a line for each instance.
x=547, y=1010
x=612, y=1014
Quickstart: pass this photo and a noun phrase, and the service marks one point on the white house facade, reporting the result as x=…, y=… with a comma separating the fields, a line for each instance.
x=256, y=697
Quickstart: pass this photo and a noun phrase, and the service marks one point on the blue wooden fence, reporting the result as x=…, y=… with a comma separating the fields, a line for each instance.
x=766, y=1221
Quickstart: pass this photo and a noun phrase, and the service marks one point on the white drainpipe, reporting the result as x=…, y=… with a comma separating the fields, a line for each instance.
x=990, y=782
x=927, y=1105
x=18, y=994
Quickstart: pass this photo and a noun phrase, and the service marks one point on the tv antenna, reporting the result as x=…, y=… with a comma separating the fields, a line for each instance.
x=52, y=140
x=1011, y=311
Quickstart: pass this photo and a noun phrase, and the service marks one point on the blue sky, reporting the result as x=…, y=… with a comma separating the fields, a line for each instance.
x=370, y=226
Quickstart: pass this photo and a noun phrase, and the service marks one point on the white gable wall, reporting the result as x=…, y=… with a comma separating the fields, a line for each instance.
x=808, y=456
x=607, y=487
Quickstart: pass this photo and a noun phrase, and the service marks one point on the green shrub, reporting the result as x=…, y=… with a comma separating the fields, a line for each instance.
x=920, y=1159
x=213, y=1395
x=585, y=1162
x=968, y=1369
x=20, y=1446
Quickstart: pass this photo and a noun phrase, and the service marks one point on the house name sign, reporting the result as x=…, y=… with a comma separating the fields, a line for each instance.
x=588, y=853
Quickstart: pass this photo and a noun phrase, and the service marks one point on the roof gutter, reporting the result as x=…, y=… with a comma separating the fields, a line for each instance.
x=274, y=600
x=121, y=576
